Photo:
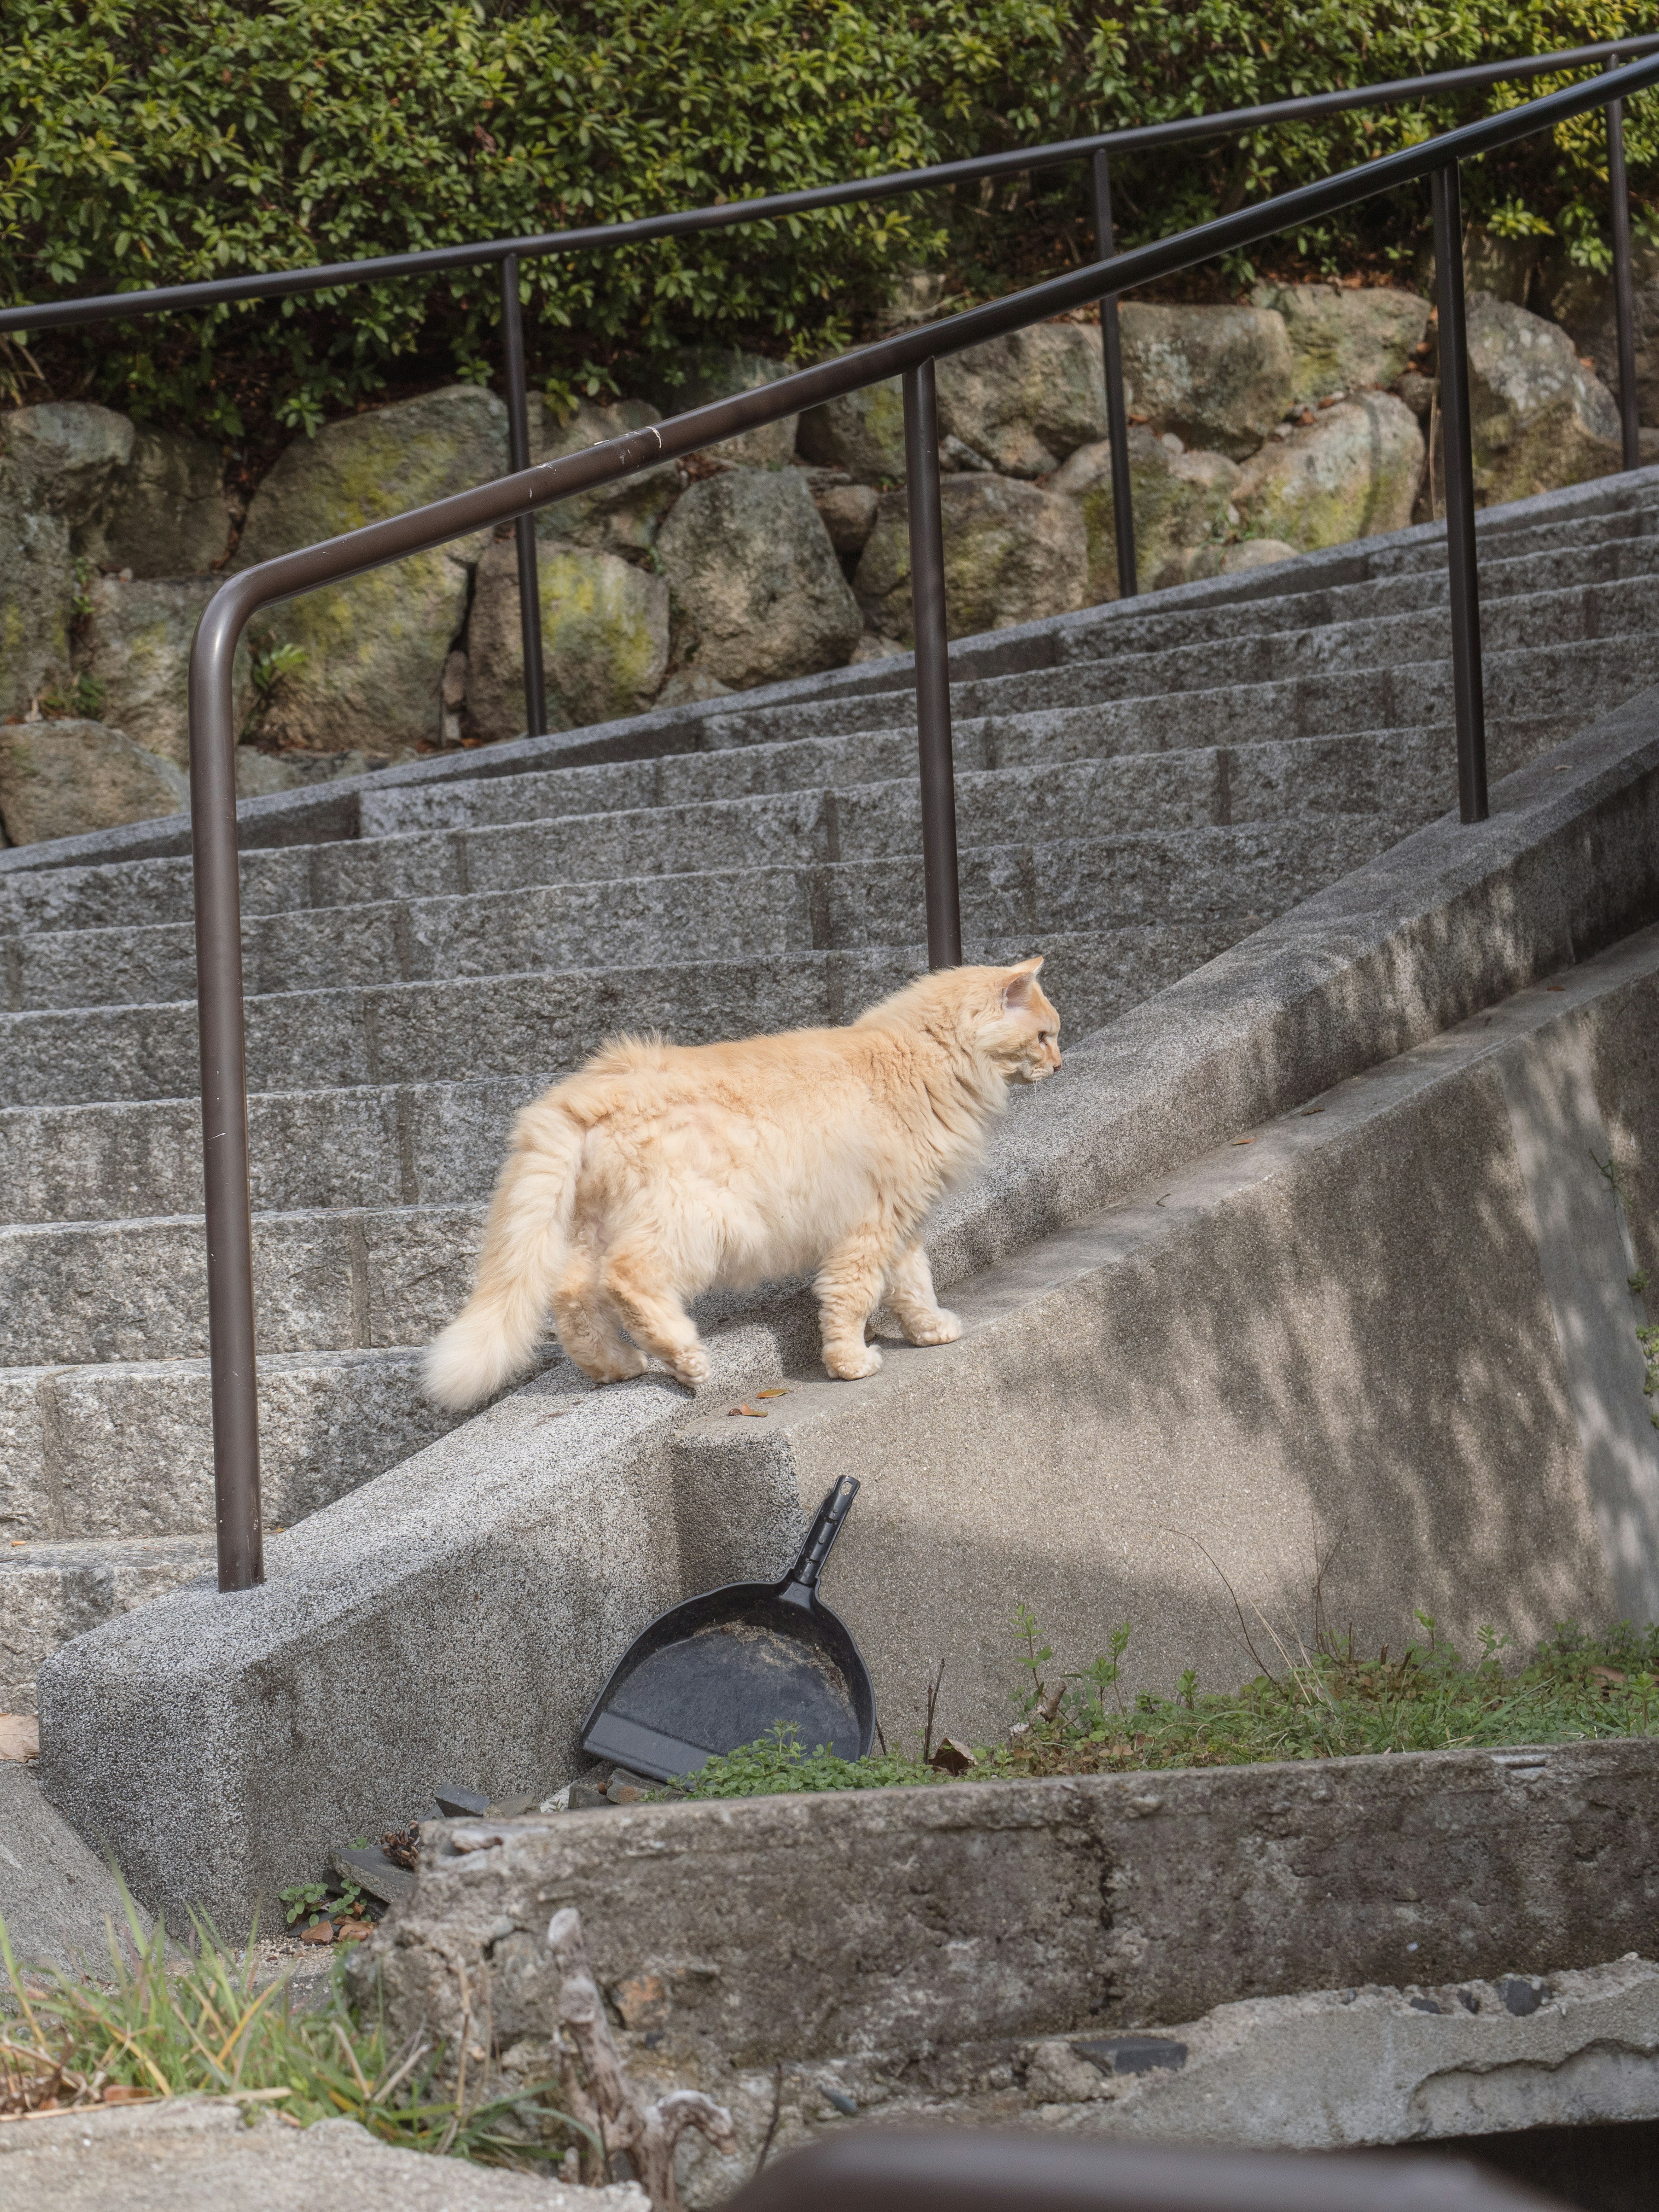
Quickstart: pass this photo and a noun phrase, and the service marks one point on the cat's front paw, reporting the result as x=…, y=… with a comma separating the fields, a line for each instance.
x=938, y=1328
x=613, y=1366
x=691, y=1367
x=850, y=1362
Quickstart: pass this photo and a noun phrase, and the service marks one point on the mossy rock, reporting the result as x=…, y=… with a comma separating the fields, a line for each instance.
x=375, y=645
x=605, y=639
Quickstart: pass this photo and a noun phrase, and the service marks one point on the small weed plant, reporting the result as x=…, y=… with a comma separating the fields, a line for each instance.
x=161, y=2026
x=1331, y=1704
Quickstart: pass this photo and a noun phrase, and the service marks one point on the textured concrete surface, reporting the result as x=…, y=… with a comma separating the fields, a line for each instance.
x=1352, y=2066
x=1307, y=1956
x=199, y=2154
x=58, y=1899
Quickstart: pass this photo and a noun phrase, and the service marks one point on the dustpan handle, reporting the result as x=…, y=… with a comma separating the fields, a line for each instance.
x=804, y=1575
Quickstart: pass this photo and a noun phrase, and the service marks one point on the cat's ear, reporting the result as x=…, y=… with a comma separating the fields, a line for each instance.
x=1022, y=983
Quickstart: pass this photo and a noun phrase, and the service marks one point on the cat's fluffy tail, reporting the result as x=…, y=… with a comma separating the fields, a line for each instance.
x=495, y=1335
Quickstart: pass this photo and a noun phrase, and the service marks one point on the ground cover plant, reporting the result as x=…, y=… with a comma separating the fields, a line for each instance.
x=212, y=2023
x=1331, y=1703
x=177, y=139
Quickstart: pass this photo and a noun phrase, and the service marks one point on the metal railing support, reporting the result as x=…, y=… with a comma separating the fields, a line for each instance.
x=518, y=445
x=1468, y=694
x=1623, y=286
x=1117, y=419
x=938, y=785
x=217, y=873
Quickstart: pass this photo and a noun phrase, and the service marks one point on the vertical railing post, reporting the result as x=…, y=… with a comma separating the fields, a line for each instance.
x=517, y=444
x=1117, y=419
x=1467, y=691
x=939, y=788
x=1624, y=283
x=233, y=1376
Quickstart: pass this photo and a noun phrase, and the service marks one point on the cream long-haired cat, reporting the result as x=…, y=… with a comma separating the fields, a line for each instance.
x=659, y=1171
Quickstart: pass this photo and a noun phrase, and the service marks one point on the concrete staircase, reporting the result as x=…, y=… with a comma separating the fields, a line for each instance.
x=1138, y=788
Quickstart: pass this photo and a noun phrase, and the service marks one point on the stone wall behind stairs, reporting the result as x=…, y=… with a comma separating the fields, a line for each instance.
x=1301, y=419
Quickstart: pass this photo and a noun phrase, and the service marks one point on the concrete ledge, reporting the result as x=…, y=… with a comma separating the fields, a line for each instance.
x=1446, y=922
x=1308, y=1956
x=203, y=2153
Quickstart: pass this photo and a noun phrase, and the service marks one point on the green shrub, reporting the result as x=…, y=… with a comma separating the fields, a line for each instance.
x=180, y=139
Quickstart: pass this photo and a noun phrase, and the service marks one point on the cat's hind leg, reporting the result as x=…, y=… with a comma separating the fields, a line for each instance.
x=910, y=1294
x=585, y=1328
x=648, y=1307
x=848, y=1287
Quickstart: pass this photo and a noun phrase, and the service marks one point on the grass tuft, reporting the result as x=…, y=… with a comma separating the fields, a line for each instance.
x=157, y=2027
x=1332, y=1704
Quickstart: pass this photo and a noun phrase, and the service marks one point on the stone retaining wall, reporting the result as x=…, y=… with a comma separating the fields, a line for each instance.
x=1300, y=419
x=1343, y=1952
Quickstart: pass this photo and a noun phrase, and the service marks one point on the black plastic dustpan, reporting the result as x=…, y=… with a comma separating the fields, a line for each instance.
x=721, y=1669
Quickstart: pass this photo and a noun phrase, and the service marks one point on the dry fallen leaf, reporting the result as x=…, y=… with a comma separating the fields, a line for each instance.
x=755, y=1413
x=1243, y=1141
x=771, y=1394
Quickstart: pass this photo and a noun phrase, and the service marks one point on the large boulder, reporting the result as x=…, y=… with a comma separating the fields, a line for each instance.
x=1027, y=400
x=1344, y=338
x=1218, y=377
x=1581, y=302
x=862, y=432
x=605, y=639
x=58, y=779
x=59, y=462
x=1353, y=471
x=617, y=518
x=1012, y=554
x=37, y=595
x=758, y=593
x=135, y=648
x=68, y=456
x=1539, y=419
x=164, y=514
x=702, y=375
x=373, y=647
x=1180, y=500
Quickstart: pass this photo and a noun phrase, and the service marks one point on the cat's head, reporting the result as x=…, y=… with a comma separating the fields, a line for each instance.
x=1018, y=1029
x=998, y=1015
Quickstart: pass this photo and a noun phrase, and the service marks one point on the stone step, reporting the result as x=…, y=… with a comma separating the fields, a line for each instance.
x=451, y=1028
x=1563, y=616
x=1409, y=775
x=1367, y=579
x=856, y=741
x=1551, y=681
x=438, y=1142
x=124, y=1447
x=50, y=1592
x=405, y=1143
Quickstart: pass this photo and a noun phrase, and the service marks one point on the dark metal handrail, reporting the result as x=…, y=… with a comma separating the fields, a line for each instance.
x=509, y=252
x=910, y=355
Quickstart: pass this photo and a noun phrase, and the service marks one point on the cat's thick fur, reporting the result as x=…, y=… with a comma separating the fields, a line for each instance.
x=659, y=1171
